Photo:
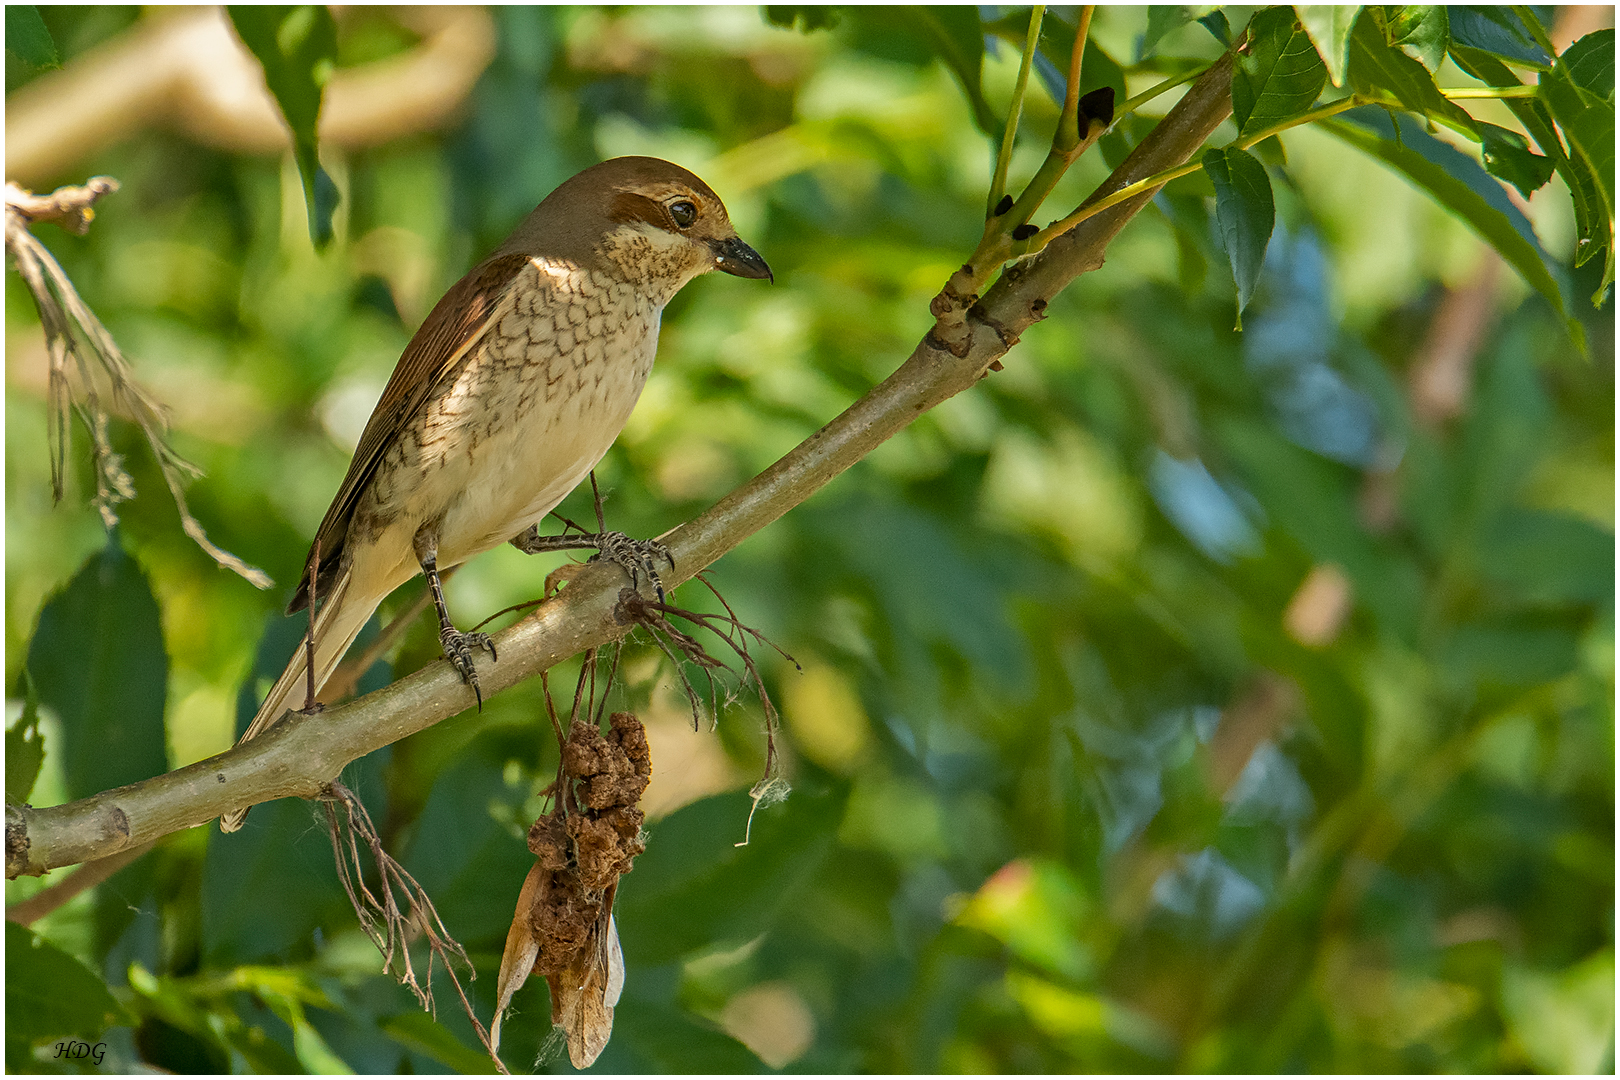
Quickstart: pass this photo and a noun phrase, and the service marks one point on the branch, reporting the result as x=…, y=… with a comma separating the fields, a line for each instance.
x=302, y=754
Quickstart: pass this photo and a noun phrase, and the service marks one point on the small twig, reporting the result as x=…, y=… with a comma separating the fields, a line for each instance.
x=36, y=907
x=998, y=185
x=72, y=329
x=369, y=907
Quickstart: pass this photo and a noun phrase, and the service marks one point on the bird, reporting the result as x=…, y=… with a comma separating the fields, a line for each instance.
x=510, y=392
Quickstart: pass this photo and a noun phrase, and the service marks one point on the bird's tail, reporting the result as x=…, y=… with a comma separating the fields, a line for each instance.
x=337, y=624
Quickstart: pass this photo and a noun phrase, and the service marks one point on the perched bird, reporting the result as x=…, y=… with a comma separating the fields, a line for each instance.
x=509, y=394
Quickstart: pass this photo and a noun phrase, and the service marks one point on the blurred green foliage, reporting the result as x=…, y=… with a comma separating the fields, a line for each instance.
x=1174, y=699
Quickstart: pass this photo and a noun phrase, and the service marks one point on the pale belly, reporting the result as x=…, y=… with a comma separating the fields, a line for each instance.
x=501, y=446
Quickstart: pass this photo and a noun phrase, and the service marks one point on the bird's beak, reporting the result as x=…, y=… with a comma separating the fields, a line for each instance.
x=735, y=257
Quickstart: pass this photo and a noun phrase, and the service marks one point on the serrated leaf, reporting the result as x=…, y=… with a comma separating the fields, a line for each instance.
x=1591, y=219
x=27, y=37
x=1498, y=31
x=1463, y=187
x=297, y=47
x=25, y=747
x=1246, y=212
x=1579, y=92
x=1329, y=27
x=1281, y=76
x=1508, y=157
x=97, y=658
x=1421, y=31
x=1376, y=68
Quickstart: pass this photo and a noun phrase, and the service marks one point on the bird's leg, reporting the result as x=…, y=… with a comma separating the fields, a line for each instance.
x=458, y=647
x=636, y=556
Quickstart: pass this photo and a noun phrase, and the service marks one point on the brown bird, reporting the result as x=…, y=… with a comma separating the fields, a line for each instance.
x=509, y=394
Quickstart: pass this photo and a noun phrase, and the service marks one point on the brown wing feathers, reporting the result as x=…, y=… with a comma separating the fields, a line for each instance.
x=454, y=324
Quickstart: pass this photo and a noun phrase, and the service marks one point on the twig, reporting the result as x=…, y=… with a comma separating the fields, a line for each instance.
x=300, y=755
x=36, y=907
x=72, y=329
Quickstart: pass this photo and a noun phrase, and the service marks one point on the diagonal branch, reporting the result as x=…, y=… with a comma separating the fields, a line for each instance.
x=302, y=754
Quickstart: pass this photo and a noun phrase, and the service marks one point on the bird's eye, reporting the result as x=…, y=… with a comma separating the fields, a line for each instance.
x=683, y=212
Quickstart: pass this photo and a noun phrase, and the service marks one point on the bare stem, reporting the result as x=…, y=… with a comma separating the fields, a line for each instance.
x=998, y=186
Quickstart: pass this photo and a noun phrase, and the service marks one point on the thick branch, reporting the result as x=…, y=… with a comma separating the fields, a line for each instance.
x=302, y=754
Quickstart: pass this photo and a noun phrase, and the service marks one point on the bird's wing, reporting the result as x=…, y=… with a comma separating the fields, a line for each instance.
x=457, y=322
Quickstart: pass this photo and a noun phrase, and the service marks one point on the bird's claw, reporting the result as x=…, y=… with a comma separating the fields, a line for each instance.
x=459, y=648
x=636, y=556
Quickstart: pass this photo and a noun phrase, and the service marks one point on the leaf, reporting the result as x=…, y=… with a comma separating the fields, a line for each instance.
x=1498, y=31
x=957, y=36
x=1244, y=208
x=806, y=18
x=1463, y=186
x=1579, y=92
x=1097, y=68
x=97, y=658
x=1215, y=22
x=1162, y=19
x=1376, y=68
x=50, y=995
x=27, y=37
x=1329, y=27
x=1281, y=76
x=25, y=746
x=297, y=47
x=420, y=1032
x=1508, y=157
x=1592, y=234
x=1421, y=31
x=1549, y=558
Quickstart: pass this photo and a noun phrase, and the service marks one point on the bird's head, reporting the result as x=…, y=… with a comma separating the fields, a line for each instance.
x=650, y=220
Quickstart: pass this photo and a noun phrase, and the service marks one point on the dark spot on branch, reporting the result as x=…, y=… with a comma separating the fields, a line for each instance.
x=1004, y=205
x=1025, y=231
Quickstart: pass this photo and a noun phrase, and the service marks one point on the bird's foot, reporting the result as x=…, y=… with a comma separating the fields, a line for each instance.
x=459, y=649
x=636, y=556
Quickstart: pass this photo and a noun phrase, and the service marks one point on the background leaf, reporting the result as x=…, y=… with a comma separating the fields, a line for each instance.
x=1281, y=76
x=1244, y=207
x=98, y=661
x=50, y=995
x=1496, y=30
x=25, y=747
x=27, y=37
x=297, y=47
x=1508, y=157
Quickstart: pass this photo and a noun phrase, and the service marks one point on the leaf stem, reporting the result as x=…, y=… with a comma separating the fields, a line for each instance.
x=1132, y=104
x=1068, y=130
x=1131, y=191
x=998, y=186
x=1464, y=92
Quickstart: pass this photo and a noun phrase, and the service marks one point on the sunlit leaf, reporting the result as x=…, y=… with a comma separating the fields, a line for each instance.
x=1162, y=20
x=1421, y=31
x=25, y=746
x=1280, y=76
x=1377, y=68
x=1579, y=91
x=1244, y=207
x=1329, y=27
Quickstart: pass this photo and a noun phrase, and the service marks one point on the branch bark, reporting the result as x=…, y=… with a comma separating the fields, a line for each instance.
x=302, y=755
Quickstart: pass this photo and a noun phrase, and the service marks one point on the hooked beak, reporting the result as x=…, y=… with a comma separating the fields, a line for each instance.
x=735, y=257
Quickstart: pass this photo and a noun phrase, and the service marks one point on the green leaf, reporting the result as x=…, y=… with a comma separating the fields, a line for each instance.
x=958, y=37
x=1215, y=22
x=50, y=995
x=806, y=18
x=27, y=37
x=1463, y=186
x=1421, y=31
x=1377, y=68
x=1508, y=157
x=1162, y=20
x=1592, y=234
x=1281, y=76
x=1498, y=31
x=1097, y=68
x=25, y=746
x=1329, y=27
x=418, y=1031
x=97, y=658
x=1549, y=558
x=1579, y=92
x=297, y=47
x=1244, y=208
